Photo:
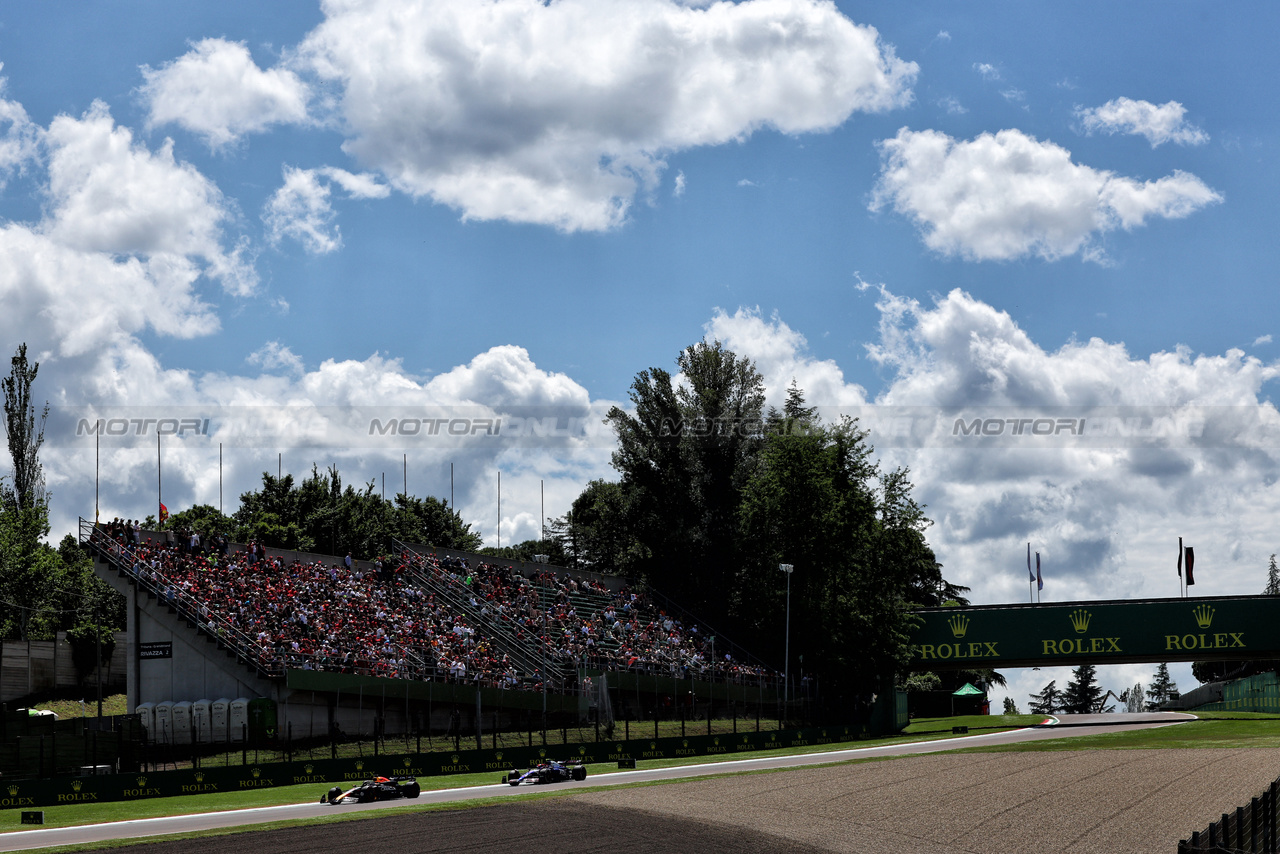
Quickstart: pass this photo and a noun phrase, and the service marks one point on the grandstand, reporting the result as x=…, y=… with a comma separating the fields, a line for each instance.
x=423, y=639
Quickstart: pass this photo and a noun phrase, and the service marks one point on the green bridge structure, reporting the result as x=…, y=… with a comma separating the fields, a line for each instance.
x=1126, y=631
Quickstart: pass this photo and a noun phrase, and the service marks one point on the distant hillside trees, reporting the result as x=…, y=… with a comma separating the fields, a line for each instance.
x=320, y=515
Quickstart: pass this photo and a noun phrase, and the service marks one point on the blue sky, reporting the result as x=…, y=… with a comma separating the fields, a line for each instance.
x=350, y=207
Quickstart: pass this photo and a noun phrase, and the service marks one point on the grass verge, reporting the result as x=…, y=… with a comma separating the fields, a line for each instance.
x=1219, y=730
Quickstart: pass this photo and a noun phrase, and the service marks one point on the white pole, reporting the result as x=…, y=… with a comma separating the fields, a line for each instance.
x=786, y=667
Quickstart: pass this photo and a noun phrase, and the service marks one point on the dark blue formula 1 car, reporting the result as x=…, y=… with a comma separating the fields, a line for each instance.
x=548, y=771
x=377, y=789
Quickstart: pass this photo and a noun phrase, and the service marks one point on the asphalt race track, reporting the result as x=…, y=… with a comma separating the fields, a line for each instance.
x=1068, y=725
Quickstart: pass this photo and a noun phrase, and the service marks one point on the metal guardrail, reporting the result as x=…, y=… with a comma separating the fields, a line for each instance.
x=529, y=661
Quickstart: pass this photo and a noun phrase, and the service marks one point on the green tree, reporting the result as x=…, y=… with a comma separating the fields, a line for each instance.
x=1273, y=578
x=321, y=515
x=26, y=566
x=1083, y=693
x=1010, y=707
x=203, y=518
x=1048, y=701
x=431, y=521
x=816, y=500
x=595, y=532
x=684, y=455
x=1163, y=689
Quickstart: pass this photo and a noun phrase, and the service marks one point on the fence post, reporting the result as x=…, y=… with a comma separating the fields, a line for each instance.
x=1253, y=825
x=1271, y=814
x=1240, y=828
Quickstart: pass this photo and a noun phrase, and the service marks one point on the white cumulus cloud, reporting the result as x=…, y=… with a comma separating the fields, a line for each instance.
x=300, y=209
x=1158, y=123
x=217, y=91
x=561, y=113
x=20, y=141
x=114, y=196
x=1009, y=195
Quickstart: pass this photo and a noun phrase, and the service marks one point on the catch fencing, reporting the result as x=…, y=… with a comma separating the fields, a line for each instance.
x=1251, y=829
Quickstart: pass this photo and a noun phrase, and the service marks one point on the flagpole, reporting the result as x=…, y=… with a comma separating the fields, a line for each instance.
x=220, y=479
x=159, y=488
x=97, y=448
x=1031, y=591
x=1181, y=594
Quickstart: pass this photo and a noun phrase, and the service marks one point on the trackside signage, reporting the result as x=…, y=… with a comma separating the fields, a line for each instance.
x=26, y=794
x=1111, y=632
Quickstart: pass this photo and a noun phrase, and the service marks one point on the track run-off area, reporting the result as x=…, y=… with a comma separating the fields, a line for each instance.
x=1064, y=726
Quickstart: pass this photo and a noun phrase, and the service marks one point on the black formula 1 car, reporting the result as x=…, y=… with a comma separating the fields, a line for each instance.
x=377, y=789
x=548, y=771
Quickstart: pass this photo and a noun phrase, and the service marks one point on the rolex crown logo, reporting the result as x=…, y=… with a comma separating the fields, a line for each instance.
x=13, y=790
x=1204, y=616
x=497, y=756
x=408, y=761
x=653, y=745
x=582, y=751
x=256, y=772
x=541, y=753
x=619, y=748
x=142, y=781
x=199, y=776
x=959, y=625
x=1080, y=620
x=685, y=742
x=76, y=784
x=360, y=765
x=309, y=768
x=455, y=757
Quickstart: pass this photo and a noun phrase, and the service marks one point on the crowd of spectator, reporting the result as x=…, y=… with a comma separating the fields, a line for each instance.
x=418, y=616
x=581, y=623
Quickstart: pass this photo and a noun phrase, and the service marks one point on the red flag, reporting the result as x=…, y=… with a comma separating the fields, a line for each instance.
x=1191, y=559
x=164, y=514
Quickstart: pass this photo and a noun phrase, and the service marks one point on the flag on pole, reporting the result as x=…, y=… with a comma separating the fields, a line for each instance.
x=1179, y=557
x=164, y=513
x=1039, y=579
x=1191, y=559
x=1031, y=576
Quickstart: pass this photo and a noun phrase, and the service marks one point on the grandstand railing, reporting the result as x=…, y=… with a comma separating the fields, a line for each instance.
x=746, y=669
x=527, y=660
x=246, y=649
x=1251, y=829
x=122, y=558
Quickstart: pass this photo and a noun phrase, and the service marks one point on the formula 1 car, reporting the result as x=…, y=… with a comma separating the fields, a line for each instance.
x=377, y=789
x=548, y=771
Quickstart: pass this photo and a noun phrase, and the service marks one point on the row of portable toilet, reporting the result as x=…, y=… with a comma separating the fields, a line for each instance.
x=201, y=722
